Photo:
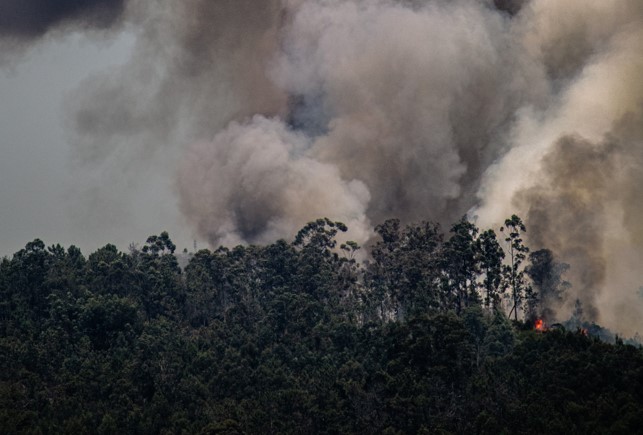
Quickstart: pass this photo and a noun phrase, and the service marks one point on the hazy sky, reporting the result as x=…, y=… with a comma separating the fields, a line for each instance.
x=40, y=185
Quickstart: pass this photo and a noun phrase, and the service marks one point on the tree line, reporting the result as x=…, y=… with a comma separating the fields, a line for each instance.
x=431, y=334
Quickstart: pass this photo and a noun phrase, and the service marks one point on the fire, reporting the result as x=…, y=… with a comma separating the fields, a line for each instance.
x=539, y=325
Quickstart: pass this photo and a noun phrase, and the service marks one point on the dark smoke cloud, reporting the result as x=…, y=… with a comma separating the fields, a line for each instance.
x=33, y=18
x=567, y=211
x=24, y=21
x=512, y=7
x=575, y=167
x=567, y=36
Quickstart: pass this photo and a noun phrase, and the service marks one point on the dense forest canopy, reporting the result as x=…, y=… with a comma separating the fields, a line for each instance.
x=434, y=333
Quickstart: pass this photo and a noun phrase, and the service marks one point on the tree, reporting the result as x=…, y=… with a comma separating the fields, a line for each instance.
x=109, y=271
x=491, y=256
x=349, y=276
x=384, y=271
x=26, y=283
x=546, y=275
x=578, y=317
x=405, y=274
x=159, y=245
x=513, y=274
x=318, y=263
x=319, y=236
x=159, y=271
x=460, y=264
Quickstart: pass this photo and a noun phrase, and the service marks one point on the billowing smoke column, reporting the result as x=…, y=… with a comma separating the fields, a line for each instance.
x=360, y=110
x=568, y=209
x=406, y=101
x=255, y=182
x=575, y=169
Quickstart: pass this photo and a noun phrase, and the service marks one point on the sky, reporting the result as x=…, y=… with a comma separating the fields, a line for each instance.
x=41, y=183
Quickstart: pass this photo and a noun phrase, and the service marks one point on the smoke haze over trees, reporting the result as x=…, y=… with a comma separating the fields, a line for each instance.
x=269, y=114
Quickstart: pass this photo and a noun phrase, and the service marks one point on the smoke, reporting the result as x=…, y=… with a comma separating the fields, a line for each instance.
x=575, y=167
x=33, y=18
x=408, y=100
x=512, y=7
x=273, y=113
x=258, y=184
x=567, y=210
x=24, y=21
x=198, y=65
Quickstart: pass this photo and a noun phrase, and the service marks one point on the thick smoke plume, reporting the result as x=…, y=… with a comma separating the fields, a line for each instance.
x=277, y=112
x=575, y=169
x=568, y=210
x=416, y=122
x=257, y=184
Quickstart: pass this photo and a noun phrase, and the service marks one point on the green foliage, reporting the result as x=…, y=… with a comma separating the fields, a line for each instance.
x=461, y=264
x=403, y=279
x=301, y=338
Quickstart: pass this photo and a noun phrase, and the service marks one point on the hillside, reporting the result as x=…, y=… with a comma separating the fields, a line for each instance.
x=302, y=338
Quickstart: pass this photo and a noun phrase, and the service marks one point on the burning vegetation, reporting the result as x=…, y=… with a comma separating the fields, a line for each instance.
x=539, y=325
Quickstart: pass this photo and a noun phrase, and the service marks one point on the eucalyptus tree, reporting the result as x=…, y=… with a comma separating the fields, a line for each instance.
x=513, y=273
x=491, y=256
x=460, y=264
x=404, y=276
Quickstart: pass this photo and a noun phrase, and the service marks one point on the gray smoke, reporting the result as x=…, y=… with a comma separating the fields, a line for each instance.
x=575, y=170
x=407, y=100
x=567, y=210
x=33, y=18
x=24, y=21
x=198, y=65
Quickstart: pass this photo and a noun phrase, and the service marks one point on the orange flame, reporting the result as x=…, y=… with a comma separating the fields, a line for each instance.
x=539, y=325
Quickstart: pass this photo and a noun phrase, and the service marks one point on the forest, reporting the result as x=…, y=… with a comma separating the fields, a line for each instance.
x=423, y=331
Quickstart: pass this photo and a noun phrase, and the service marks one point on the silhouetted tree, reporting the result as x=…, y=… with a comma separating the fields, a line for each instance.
x=546, y=276
x=491, y=256
x=513, y=273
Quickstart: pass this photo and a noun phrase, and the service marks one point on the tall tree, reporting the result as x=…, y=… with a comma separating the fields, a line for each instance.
x=160, y=277
x=460, y=264
x=491, y=256
x=513, y=272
